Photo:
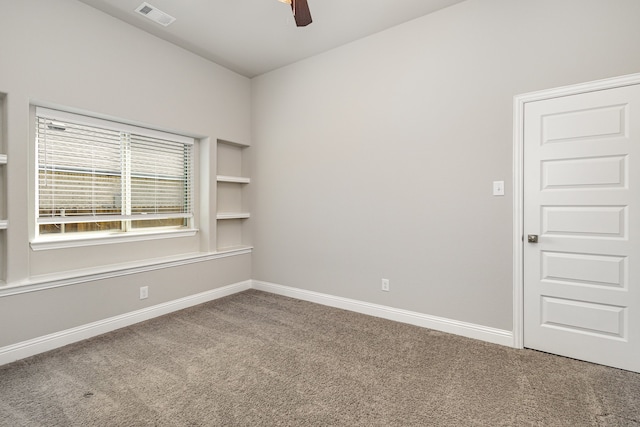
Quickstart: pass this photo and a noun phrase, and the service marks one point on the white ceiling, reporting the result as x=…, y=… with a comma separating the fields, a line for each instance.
x=252, y=37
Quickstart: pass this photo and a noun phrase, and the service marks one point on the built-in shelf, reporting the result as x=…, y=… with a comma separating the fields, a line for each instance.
x=232, y=143
x=3, y=223
x=234, y=215
x=232, y=228
x=234, y=179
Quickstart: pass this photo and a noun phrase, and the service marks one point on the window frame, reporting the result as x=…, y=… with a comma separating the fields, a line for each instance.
x=124, y=234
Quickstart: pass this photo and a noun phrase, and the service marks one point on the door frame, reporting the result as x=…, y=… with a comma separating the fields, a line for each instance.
x=519, y=103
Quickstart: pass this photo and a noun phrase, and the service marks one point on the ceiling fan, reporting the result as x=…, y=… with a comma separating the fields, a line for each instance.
x=301, y=12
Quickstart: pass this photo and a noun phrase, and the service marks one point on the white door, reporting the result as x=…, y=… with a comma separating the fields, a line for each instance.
x=582, y=200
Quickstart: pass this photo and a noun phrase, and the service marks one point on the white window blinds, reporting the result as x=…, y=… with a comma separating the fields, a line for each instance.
x=97, y=171
x=159, y=176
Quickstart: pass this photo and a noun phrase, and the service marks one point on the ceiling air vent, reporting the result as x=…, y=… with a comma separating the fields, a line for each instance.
x=155, y=14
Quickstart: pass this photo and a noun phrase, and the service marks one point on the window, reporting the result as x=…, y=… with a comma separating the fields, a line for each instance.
x=103, y=177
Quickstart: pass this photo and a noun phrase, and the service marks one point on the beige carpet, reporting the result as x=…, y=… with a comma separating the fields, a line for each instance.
x=256, y=359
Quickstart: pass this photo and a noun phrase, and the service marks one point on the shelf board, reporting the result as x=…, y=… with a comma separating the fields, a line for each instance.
x=233, y=215
x=237, y=179
x=3, y=159
x=4, y=224
x=235, y=144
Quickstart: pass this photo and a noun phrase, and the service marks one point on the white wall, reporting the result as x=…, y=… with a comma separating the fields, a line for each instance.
x=376, y=159
x=68, y=54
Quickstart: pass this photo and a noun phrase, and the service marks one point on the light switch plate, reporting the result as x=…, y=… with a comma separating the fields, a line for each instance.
x=498, y=188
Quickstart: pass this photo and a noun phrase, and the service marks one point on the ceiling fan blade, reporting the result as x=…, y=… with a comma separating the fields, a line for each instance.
x=301, y=12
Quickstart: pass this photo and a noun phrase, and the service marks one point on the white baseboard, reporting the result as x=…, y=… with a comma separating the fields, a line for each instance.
x=38, y=345
x=469, y=330
x=34, y=346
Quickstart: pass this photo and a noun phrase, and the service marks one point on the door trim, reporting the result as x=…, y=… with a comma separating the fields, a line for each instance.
x=519, y=102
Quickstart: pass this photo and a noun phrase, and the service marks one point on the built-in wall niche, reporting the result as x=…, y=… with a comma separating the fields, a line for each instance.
x=230, y=235
x=3, y=186
x=232, y=196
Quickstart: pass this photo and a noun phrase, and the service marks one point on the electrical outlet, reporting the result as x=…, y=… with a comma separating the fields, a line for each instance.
x=385, y=285
x=144, y=292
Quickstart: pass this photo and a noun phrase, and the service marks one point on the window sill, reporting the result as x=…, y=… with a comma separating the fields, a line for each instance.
x=67, y=278
x=47, y=243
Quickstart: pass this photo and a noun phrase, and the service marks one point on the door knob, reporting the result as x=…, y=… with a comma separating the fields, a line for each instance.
x=532, y=238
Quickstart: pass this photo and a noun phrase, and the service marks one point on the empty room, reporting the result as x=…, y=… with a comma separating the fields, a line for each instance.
x=319, y=212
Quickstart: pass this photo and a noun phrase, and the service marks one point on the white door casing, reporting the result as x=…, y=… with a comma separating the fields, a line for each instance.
x=578, y=179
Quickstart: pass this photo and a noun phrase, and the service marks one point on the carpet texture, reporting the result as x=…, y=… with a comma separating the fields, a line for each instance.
x=257, y=359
